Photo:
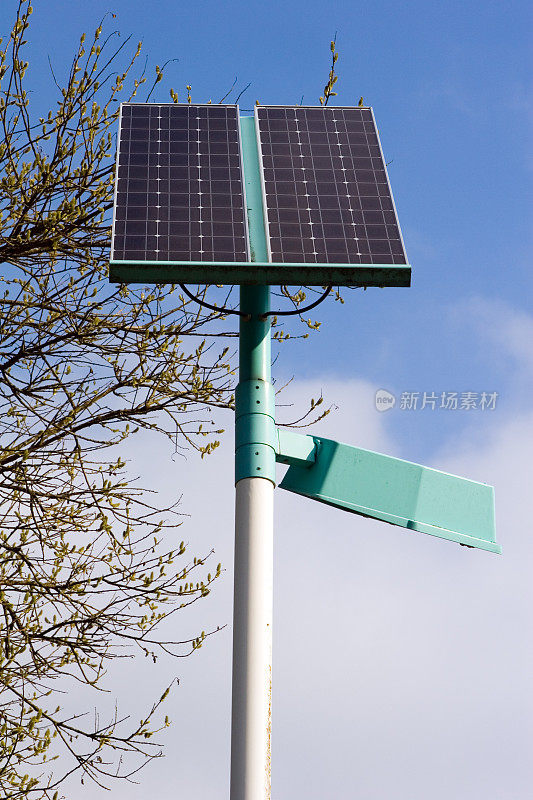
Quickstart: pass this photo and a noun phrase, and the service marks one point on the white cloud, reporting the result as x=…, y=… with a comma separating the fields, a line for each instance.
x=408, y=656
x=401, y=661
x=505, y=330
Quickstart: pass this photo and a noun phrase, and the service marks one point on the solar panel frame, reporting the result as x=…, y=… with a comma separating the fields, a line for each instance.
x=390, y=259
x=172, y=216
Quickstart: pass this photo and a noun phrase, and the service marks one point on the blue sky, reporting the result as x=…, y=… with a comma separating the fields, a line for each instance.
x=450, y=88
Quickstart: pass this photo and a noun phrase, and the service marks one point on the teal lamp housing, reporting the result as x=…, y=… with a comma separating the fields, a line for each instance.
x=392, y=490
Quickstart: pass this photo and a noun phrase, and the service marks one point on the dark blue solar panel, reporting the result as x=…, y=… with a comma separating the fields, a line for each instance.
x=179, y=189
x=327, y=194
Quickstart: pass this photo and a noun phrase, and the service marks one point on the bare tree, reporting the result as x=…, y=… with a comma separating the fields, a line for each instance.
x=83, y=365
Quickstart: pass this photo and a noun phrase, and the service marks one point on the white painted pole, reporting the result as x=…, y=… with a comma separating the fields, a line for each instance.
x=252, y=640
x=255, y=475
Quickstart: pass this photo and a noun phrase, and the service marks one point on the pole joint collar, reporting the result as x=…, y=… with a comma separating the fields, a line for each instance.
x=255, y=431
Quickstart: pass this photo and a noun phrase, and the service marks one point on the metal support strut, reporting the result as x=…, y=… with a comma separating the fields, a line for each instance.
x=255, y=457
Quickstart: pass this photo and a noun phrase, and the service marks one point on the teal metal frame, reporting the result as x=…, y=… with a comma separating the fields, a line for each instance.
x=261, y=272
x=389, y=489
x=255, y=428
x=361, y=481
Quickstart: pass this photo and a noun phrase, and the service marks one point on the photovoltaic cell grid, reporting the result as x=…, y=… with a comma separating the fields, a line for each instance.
x=327, y=194
x=179, y=191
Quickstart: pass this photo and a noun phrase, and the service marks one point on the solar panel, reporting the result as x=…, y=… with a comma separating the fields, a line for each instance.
x=327, y=196
x=316, y=185
x=179, y=187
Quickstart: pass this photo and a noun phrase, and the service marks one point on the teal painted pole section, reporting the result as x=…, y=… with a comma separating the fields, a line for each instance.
x=254, y=197
x=255, y=459
x=255, y=432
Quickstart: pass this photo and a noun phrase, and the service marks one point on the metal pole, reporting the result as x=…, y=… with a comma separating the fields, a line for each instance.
x=255, y=446
x=252, y=614
x=252, y=641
